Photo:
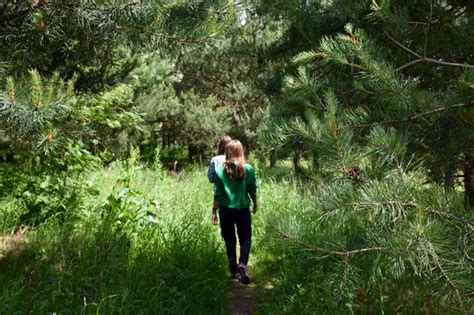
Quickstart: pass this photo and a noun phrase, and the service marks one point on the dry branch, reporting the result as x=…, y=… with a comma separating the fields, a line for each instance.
x=325, y=250
x=425, y=59
x=412, y=118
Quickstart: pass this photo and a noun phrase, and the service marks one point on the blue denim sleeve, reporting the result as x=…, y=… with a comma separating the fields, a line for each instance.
x=218, y=189
x=211, y=171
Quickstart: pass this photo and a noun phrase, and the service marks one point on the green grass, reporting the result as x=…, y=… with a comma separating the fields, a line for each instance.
x=135, y=240
x=141, y=243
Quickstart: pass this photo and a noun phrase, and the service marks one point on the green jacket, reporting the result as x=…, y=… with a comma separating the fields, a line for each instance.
x=235, y=193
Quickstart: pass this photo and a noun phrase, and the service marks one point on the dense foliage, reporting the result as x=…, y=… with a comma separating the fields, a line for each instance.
x=125, y=244
x=108, y=109
x=390, y=65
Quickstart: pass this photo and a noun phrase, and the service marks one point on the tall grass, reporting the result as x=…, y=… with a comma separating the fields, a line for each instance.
x=139, y=240
x=140, y=243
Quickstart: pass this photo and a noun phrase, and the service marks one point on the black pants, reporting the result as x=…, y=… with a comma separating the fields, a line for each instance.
x=229, y=219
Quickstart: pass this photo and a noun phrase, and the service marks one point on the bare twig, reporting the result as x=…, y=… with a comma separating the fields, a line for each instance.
x=464, y=120
x=403, y=46
x=440, y=109
x=410, y=64
x=425, y=59
x=410, y=119
x=325, y=250
x=436, y=61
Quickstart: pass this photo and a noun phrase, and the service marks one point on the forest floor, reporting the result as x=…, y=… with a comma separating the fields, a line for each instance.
x=148, y=262
x=242, y=299
x=11, y=243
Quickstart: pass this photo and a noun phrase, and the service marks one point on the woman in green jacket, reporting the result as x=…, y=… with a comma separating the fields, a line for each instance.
x=235, y=187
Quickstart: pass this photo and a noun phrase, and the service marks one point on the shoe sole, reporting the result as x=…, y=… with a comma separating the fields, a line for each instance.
x=244, y=277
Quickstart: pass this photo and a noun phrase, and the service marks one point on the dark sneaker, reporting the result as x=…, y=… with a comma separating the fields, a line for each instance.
x=244, y=276
x=235, y=277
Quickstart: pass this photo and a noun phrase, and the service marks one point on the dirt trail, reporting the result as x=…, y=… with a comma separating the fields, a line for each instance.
x=241, y=299
x=12, y=242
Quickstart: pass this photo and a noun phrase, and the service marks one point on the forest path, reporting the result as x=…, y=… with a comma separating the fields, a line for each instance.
x=245, y=299
x=241, y=299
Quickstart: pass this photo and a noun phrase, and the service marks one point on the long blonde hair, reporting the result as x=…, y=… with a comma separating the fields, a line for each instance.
x=234, y=160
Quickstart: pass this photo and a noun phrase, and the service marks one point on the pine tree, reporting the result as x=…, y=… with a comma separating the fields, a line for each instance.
x=96, y=45
x=387, y=231
x=368, y=70
x=84, y=37
x=174, y=117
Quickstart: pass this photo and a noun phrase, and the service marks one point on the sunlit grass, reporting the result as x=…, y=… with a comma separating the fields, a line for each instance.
x=140, y=242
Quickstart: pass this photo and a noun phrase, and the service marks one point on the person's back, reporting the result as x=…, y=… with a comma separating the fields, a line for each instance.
x=216, y=162
x=235, y=193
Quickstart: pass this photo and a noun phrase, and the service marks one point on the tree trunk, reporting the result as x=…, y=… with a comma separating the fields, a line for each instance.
x=10, y=158
x=449, y=173
x=469, y=180
x=316, y=164
x=296, y=162
x=273, y=159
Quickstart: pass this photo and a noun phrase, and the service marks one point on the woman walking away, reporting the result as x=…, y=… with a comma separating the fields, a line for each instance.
x=235, y=187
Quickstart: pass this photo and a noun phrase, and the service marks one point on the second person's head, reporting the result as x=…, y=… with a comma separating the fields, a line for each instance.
x=222, y=144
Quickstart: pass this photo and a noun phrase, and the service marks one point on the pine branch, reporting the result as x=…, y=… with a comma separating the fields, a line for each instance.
x=18, y=120
x=117, y=7
x=325, y=250
x=424, y=58
x=449, y=216
x=405, y=204
x=346, y=274
x=34, y=5
x=451, y=283
x=411, y=119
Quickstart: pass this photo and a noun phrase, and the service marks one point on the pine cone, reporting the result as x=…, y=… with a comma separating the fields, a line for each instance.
x=354, y=172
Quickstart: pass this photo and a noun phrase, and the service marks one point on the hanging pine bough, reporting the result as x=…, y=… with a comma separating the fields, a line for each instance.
x=391, y=244
x=380, y=236
x=13, y=115
x=34, y=125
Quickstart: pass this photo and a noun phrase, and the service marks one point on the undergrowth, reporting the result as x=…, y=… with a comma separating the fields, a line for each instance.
x=391, y=246
x=137, y=241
